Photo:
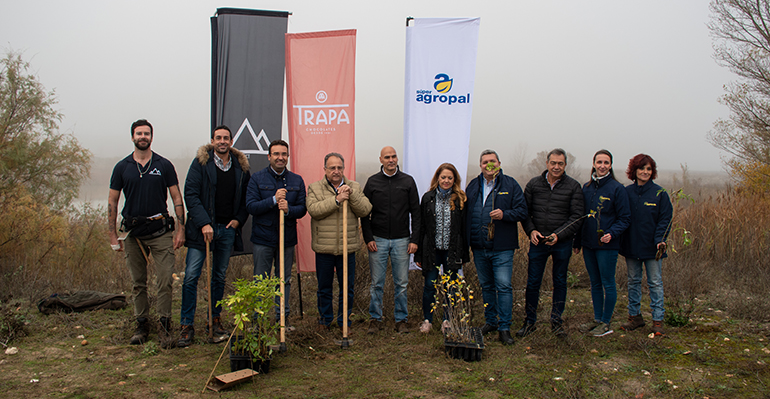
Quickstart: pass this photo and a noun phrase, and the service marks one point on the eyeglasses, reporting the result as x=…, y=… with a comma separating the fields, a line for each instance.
x=334, y=168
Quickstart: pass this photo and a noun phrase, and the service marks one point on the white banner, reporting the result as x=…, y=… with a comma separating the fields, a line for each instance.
x=438, y=98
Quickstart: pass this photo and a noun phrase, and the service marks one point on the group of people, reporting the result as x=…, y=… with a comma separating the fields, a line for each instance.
x=440, y=229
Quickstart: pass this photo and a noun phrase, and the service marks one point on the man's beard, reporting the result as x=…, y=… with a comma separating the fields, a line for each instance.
x=219, y=150
x=142, y=145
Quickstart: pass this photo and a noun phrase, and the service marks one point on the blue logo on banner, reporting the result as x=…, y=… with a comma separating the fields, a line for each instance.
x=443, y=85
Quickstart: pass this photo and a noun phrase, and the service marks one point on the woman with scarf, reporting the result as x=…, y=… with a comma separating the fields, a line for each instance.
x=442, y=235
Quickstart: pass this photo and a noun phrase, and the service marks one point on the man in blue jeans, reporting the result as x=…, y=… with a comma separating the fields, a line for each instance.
x=494, y=206
x=555, y=204
x=394, y=198
x=215, y=193
x=272, y=190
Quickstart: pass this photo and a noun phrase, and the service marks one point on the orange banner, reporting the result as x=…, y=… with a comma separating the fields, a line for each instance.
x=321, y=95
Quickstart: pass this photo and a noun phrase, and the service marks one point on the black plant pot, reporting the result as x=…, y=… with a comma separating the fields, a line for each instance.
x=468, y=351
x=244, y=360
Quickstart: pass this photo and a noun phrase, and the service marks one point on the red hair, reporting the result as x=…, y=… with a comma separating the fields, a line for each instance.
x=637, y=163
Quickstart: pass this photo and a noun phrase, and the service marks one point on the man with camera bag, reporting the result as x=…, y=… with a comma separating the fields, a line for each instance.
x=144, y=177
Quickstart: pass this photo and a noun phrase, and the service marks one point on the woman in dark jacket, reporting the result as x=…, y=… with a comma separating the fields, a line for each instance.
x=607, y=202
x=442, y=234
x=651, y=213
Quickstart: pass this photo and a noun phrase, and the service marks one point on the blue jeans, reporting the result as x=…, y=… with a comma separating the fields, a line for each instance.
x=654, y=282
x=266, y=260
x=221, y=247
x=494, y=269
x=429, y=290
x=325, y=267
x=538, y=256
x=399, y=264
x=601, y=264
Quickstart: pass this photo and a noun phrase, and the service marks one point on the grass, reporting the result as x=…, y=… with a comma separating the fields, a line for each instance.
x=718, y=325
x=715, y=355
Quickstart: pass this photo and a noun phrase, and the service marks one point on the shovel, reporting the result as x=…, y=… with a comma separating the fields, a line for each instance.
x=281, y=260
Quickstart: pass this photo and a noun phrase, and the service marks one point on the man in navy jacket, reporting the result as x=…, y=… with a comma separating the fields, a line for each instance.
x=273, y=189
x=494, y=206
x=215, y=193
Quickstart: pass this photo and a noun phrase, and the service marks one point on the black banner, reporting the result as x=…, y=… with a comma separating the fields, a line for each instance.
x=247, y=68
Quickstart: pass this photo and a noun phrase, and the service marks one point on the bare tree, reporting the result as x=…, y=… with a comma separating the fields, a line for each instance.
x=741, y=33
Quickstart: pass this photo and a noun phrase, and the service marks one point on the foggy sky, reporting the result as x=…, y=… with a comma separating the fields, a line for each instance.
x=583, y=75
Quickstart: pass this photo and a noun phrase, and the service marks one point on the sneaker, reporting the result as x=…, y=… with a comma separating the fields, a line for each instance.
x=425, y=326
x=141, y=333
x=657, y=328
x=445, y=326
x=374, y=326
x=164, y=334
x=601, y=330
x=585, y=328
x=401, y=327
x=186, y=337
x=526, y=329
x=633, y=323
x=487, y=328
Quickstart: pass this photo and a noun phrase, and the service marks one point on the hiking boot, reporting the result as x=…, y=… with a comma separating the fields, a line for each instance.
x=601, y=330
x=585, y=328
x=164, y=334
x=141, y=333
x=219, y=332
x=446, y=326
x=526, y=329
x=558, y=330
x=657, y=328
x=374, y=326
x=505, y=337
x=487, y=328
x=633, y=323
x=425, y=326
x=401, y=327
x=186, y=337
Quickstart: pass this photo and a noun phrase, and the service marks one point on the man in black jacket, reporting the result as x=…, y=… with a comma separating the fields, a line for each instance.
x=215, y=193
x=555, y=204
x=394, y=198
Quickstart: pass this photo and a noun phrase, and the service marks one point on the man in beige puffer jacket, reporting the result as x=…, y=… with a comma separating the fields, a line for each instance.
x=325, y=199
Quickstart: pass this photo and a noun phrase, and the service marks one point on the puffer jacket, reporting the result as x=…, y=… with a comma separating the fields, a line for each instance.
x=651, y=212
x=615, y=213
x=458, y=252
x=326, y=217
x=200, y=190
x=552, y=210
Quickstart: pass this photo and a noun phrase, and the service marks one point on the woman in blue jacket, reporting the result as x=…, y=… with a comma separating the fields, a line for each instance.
x=644, y=242
x=607, y=203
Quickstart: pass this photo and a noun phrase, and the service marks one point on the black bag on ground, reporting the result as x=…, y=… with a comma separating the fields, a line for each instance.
x=81, y=301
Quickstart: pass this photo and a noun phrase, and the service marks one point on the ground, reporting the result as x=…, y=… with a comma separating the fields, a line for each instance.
x=715, y=356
